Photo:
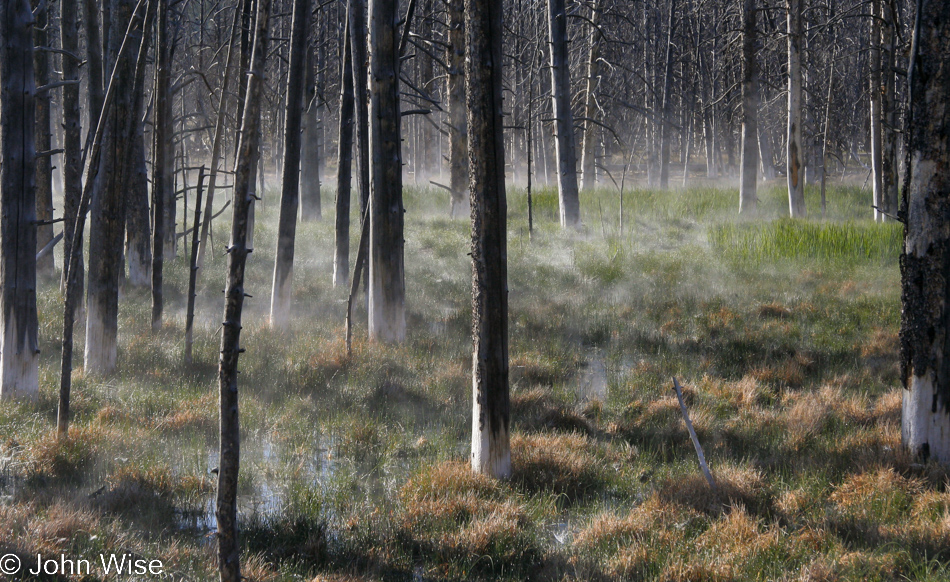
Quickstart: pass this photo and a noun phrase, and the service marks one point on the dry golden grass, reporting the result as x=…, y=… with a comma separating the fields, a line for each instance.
x=563, y=464
x=736, y=486
x=537, y=410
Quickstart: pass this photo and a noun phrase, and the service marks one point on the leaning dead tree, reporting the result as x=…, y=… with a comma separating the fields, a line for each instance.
x=19, y=347
x=925, y=363
x=491, y=452
x=229, y=566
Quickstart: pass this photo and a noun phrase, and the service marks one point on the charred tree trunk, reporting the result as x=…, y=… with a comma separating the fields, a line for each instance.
x=925, y=262
x=43, y=137
x=589, y=152
x=458, y=124
x=387, y=291
x=491, y=453
x=107, y=212
x=796, y=186
x=569, y=201
x=344, y=173
x=749, y=163
x=72, y=133
x=160, y=160
x=229, y=566
x=19, y=347
x=282, y=289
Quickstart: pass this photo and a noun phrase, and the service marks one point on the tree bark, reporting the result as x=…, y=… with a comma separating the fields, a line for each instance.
x=344, y=173
x=589, y=151
x=749, y=163
x=229, y=566
x=160, y=159
x=310, y=203
x=93, y=63
x=796, y=190
x=43, y=138
x=458, y=124
x=107, y=211
x=193, y=272
x=138, y=230
x=889, y=190
x=72, y=133
x=282, y=290
x=491, y=453
x=569, y=201
x=387, y=291
x=925, y=262
x=358, y=46
x=876, y=94
x=19, y=347
x=665, y=128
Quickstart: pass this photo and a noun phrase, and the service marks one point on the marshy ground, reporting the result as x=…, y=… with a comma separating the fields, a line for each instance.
x=783, y=334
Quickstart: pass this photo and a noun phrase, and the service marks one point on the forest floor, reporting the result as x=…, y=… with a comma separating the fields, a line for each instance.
x=783, y=334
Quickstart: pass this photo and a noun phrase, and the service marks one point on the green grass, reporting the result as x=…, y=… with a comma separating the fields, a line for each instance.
x=783, y=333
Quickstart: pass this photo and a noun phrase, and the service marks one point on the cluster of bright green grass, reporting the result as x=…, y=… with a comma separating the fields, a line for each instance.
x=782, y=332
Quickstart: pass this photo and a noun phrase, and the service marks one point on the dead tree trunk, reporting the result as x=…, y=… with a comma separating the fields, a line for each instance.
x=665, y=127
x=216, y=143
x=889, y=129
x=569, y=201
x=796, y=187
x=72, y=132
x=193, y=272
x=344, y=173
x=137, y=229
x=458, y=125
x=877, y=116
x=387, y=290
x=282, y=289
x=229, y=566
x=749, y=163
x=491, y=453
x=358, y=46
x=93, y=63
x=160, y=155
x=310, y=203
x=925, y=261
x=589, y=151
x=19, y=347
x=43, y=138
x=107, y=212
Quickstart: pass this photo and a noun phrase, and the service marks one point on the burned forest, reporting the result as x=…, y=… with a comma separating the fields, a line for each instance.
x=445, y=290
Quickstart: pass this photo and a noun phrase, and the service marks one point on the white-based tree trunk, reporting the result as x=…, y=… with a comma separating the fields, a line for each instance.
x=18, y=344
x=925, y=263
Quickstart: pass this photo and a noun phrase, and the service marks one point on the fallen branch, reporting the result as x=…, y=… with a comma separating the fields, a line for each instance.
x=692, y=435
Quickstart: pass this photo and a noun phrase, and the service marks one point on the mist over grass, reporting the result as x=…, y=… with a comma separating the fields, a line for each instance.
x=783, y=334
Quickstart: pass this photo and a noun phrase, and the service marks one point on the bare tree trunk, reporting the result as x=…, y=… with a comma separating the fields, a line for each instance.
x=569, y=200
x=19, y=347
x=588, y=156
x=491, y=453
x=218, y=138
x=93, y=63
x=160, y=154
x=750, y=104
x=387, y=286
x=43, y=138
x=925, y=262
x=344, y=173
x=229, y=566
x=310, y=158
x=765, y=141
x=193, y=272
x=877, y=116
x=282, y=290
x=796, y=189
x=107, y=212
x=458, y=124
x=665, y=128
x=358, y=38
x=889, y=196
x=72, y=133
x=137, y=229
